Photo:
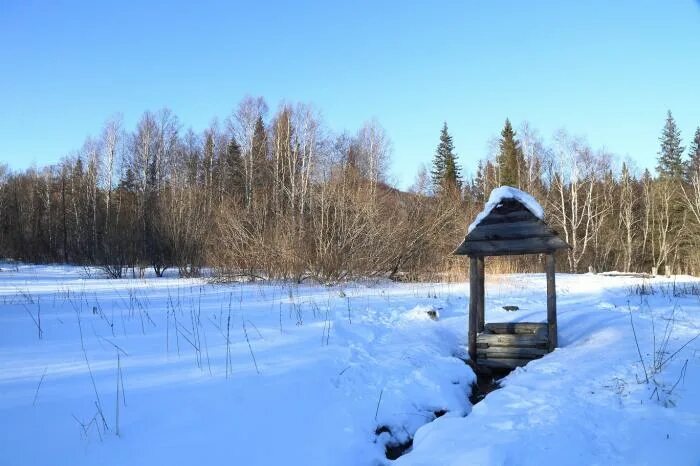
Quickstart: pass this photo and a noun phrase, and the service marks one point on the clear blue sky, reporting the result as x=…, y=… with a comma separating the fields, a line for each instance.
x=606, y=70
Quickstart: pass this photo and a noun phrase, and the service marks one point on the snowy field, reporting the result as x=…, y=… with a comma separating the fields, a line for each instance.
x=182, y=372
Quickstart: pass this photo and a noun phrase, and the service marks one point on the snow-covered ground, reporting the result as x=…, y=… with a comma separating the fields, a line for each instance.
x=257, y=374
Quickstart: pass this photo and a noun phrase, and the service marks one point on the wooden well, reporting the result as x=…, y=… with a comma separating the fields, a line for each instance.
x=510, y=228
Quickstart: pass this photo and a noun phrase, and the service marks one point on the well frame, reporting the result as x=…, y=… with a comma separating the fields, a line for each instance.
x=509, y=227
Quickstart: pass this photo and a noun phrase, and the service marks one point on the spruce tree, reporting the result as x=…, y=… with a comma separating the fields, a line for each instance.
x=260, y=175
x=445, y=172
x=478, y=183
x=234, y=182
x=510, y=158
x=670, y=162
x=693, y=168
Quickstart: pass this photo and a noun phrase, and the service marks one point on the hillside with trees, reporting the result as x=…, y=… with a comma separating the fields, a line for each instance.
x=281, y=195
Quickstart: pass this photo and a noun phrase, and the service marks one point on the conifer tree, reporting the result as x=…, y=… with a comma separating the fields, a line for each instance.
x=260, y=177
x=446, y=172
x=478, y=184
x=510, y=159
x=693, y=168
x=234, y=184
x=670, y=162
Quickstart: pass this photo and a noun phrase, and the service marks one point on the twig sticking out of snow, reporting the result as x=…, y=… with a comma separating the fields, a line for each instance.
x=250, y=347
x=376, y=412
x=36, y=394
x=639, y=351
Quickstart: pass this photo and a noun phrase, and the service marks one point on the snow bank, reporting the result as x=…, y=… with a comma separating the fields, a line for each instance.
x=498, y=195
x=309, y=380
x=342, y=373
x=587, y=402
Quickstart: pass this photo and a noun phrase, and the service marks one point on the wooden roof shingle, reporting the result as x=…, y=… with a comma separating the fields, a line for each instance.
x=510, y=229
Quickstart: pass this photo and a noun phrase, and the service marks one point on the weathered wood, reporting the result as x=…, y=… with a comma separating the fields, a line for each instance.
x=511, y=352
x=517, y=327
x=503, y=339
x=504, y=215
x=511, y=230
x=508, y=229
x=480, y=304
x=473, y=301
x=551, y=302
x=502, y=363
x=511, y=247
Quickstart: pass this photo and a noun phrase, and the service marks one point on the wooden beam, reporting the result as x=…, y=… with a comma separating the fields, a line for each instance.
x=532, y=328
x=482, y=296
x=511, y=247
x=502, y=363
x=522, y=340
x=510, y=352
x=551, y=302
x=473, y=302
x=511, y=231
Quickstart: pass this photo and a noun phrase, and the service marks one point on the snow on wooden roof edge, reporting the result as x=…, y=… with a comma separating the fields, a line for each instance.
x=507, y=192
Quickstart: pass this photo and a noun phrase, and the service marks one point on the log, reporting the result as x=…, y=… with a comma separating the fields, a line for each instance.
x=522, y=340
x=535, y=245
x=516, y=230
x=502, y=363
x=473, y=300
x=480, y=304
x=510, y=352
x=517, y=327
x=551, y=302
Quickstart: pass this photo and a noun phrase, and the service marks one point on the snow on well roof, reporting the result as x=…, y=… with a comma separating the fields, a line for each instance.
x=498, y=195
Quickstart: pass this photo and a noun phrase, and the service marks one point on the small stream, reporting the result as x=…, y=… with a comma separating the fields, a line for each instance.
x=487, y=381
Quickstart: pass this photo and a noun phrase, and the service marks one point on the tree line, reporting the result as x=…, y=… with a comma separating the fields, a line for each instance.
x=283, y=196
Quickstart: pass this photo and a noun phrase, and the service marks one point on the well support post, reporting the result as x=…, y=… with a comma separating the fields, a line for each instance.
x=481, y=295
x=551, y=302
x=473, y=304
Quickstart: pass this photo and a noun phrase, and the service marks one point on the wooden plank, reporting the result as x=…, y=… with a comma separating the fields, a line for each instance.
x=517, y=327
x=510, y=352
x=513, y=231
x=473, y=300
x=482, y=296
x=502, y=363
x=503, y=339
x=511, y=247
x=551, y=302
x=508, y=211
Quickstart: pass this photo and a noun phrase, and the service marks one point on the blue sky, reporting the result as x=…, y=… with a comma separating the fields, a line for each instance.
x=605, y=70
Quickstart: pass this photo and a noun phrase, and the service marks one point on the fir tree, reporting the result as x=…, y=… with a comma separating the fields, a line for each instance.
x=446, y=172
x=478, y=184
x=670, y=162
x=234, y=183
x=260, y=175
x=693, y=167
x=510, y=158
x=128, y=181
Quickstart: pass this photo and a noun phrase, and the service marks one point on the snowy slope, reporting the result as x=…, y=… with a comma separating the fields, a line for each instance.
x=584, y=403
x=333, y=365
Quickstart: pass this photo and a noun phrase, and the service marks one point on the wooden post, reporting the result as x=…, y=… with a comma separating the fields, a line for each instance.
x=473, y=302
x=482, y=296
x=551, y=302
